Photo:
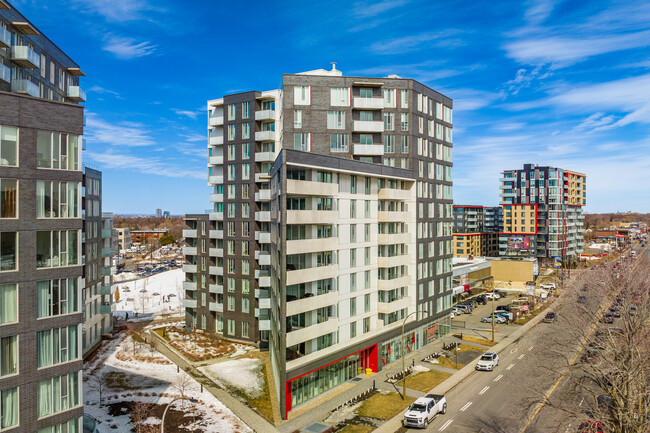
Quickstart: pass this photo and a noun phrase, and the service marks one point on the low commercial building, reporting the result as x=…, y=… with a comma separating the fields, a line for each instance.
x=147, y=236
x=124, y=241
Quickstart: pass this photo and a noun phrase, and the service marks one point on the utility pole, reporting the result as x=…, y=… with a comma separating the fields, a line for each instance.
x=403, y=355
x=493, y=315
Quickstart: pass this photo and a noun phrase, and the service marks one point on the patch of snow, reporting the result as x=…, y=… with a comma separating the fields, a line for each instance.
x=138, y=296
x=244, y=374
x=420, y=369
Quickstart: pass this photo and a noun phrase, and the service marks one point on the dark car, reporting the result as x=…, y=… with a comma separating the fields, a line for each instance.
x=616, y=312
x=480, y=300
x=501, y=293
x=590, y=355
x=632, y=310
x=503, y=308
x=550, y=317
x=582, y=299
x=607, y=318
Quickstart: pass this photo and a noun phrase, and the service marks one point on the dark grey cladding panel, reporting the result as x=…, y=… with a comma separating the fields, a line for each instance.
x=337, y=163
x=240, y=97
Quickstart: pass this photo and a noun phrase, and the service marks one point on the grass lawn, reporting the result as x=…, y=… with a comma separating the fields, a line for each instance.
x=468, y=347
x=443, y=361
x=261, y=404
x=478, y=340
x=384, y=406
x=425, y=381
x=162, y=333
x=352, y=428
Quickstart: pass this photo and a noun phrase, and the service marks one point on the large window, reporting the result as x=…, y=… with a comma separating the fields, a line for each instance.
x=58, y=345
x=336, y=120
x=57, y=248
x=8, y=250
x=72, y=426
x=301, y=141
x=8, y=355
x=301, y=95
x=57, y=297
x=57, y=199
x=8, y=303
x=57, y=394
x=339, y=142
x=8, y=408
x=8, y=198
x=340, y=96
x=8, y=145
x=58, y=151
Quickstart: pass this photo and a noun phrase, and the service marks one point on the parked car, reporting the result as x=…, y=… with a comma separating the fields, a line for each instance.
x=497, y=319
x=423, y=410
x=491, y=295
x=465, y=309
x=633, y=310
x=480, y=300
x=503, y=308
x=607, y=318
x=487, y=361
x=547, y=286
x=550, y=317
x=501, y=293
x=591, y=426
x=590, y=355
x=616, y=312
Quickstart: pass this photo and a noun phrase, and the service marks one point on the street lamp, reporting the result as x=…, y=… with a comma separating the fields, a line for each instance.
x=403, y=359
x=162, y=422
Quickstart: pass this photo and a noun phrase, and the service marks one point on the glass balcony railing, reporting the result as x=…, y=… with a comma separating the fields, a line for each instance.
x=5, y=73
x=25, y=57
x=25, y=86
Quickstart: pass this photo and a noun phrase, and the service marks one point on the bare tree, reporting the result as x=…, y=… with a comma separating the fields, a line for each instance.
x=140, y=412
x=99, y=382
x=183, y=385
x=606, y=318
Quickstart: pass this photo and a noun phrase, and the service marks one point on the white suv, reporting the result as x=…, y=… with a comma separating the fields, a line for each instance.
x=487, y=361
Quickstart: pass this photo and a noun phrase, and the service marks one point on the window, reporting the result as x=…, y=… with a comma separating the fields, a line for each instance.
x=446, y=114
x=365, y=116
x=8, y=408
x=366, y=303
x=404, y=98
x=8, y=198
x=297, y=118
x=245, y=171
x=231, y=132
x=339, y=142
x=57, y=199
x=245, y=286
x=340, y=96
x=231, y=111
x=404, y=144
x=245, y=329
x=301, y=141
x=231, y=327
x=301, y=95
x=404, y=117
x=231, y=303
x=353, y=233
x=389, y=121
x=353, y=257
x=56, y=297
x=244, y=248
x=245, y=131
x=245, y=110
x=57, y=345
x=8, y=145
x=57, y=248
x=389, y=143
x=245, y=191
x=389, y=98
x=353, y=329
x=365, y=138
x=353, y=208
x=232, y=152
x=366, y=256
x=245, y=210
x=8, y=355
x=366, y=280
x=8, y=303
x=52, y=71
x=57, y=394
x=367, y=233
x=365, y=92
x=353, y=307
x=232, y=173
x=353, y=282
x=8, y=251
x=336, y=120
x=245, y=305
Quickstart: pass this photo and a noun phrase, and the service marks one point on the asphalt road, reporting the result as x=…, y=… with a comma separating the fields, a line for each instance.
x=503, y=401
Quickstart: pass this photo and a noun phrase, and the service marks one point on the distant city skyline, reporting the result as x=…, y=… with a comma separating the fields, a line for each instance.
x=549, y=83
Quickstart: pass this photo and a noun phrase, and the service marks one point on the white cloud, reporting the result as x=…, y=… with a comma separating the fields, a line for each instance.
x=102, y=90
x=118, y=10
x=595, y=121
x=371, y=9
x=416, y=42
x=538, y=11
x=127, y=134
x=188, y=113
x=128, y=48
x=194, y=137
x=149, y=165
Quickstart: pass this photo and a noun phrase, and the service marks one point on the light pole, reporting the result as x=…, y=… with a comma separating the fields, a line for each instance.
x=162, y=422
x=493, y=315
x=403, y=359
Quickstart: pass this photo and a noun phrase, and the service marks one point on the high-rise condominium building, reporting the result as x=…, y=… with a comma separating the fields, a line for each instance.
x=542, y=213
x=332, y=223
x=476, y=230
x=41, y=228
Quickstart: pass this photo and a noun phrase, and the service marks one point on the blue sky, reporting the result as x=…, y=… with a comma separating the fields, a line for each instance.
x=563, y=83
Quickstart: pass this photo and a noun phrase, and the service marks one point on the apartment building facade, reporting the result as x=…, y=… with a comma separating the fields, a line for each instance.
x=41, y=231
x=332, y=223
x=476, y=230
x=542, y=213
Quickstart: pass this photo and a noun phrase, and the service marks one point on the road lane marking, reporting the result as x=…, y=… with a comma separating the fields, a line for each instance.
x=530, y=348
x=484, y=390
x=445, y=425
x=498, y=378
x=513, y=350
x=464, y=408
x=581, y=401
x=521, y=356
x=510, y=366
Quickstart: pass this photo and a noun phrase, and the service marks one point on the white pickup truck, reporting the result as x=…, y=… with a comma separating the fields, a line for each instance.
x=423, y=410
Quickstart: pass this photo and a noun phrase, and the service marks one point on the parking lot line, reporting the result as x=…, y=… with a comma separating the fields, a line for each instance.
x=521, y=356
x=510, y=366
x=484, y=390
x=464, y=408
x=496, y=379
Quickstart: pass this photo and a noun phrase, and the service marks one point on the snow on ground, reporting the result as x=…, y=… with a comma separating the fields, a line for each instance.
x=420, y=369
x=244, y=374
x=160, y=293
x=149, y=377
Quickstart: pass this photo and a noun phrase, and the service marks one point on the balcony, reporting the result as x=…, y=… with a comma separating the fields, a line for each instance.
x=312, y=303
x=263, y=258
x=189, y=303
x=189, y=234
x=264, y=156
x=304, y=246
x=508, y=194
x=306, y=187
x=216, y=140
x=5, y=73
x=265, y=136
x=265, y=115
x=312, y=217
x=311, y=274
x=216, y=234
x=5, y=38
x=213, y=306
x=189, y=285
x=189, y=251
x=368, y=126
x=26, y=87
x=394, y=238
x=264, y=281
x=25, y=57
x=263, y=216
x=311, y=332
x=189, y=268
x=215, y=160
x=263, y=195
x=216, y=288
x=368, y=103
x=76, y=93
x=394, y=194
x=264, y=325
x=395, y=283
x=216, y=121
x=393, y=217
x=216, y=252
x=216, y=270
x=215, y=180
x=263, y=237
x=368, y=149
x=216, y=216
x=262, y=177
x=265, y=303
x=391, y=307
x=388, y=262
